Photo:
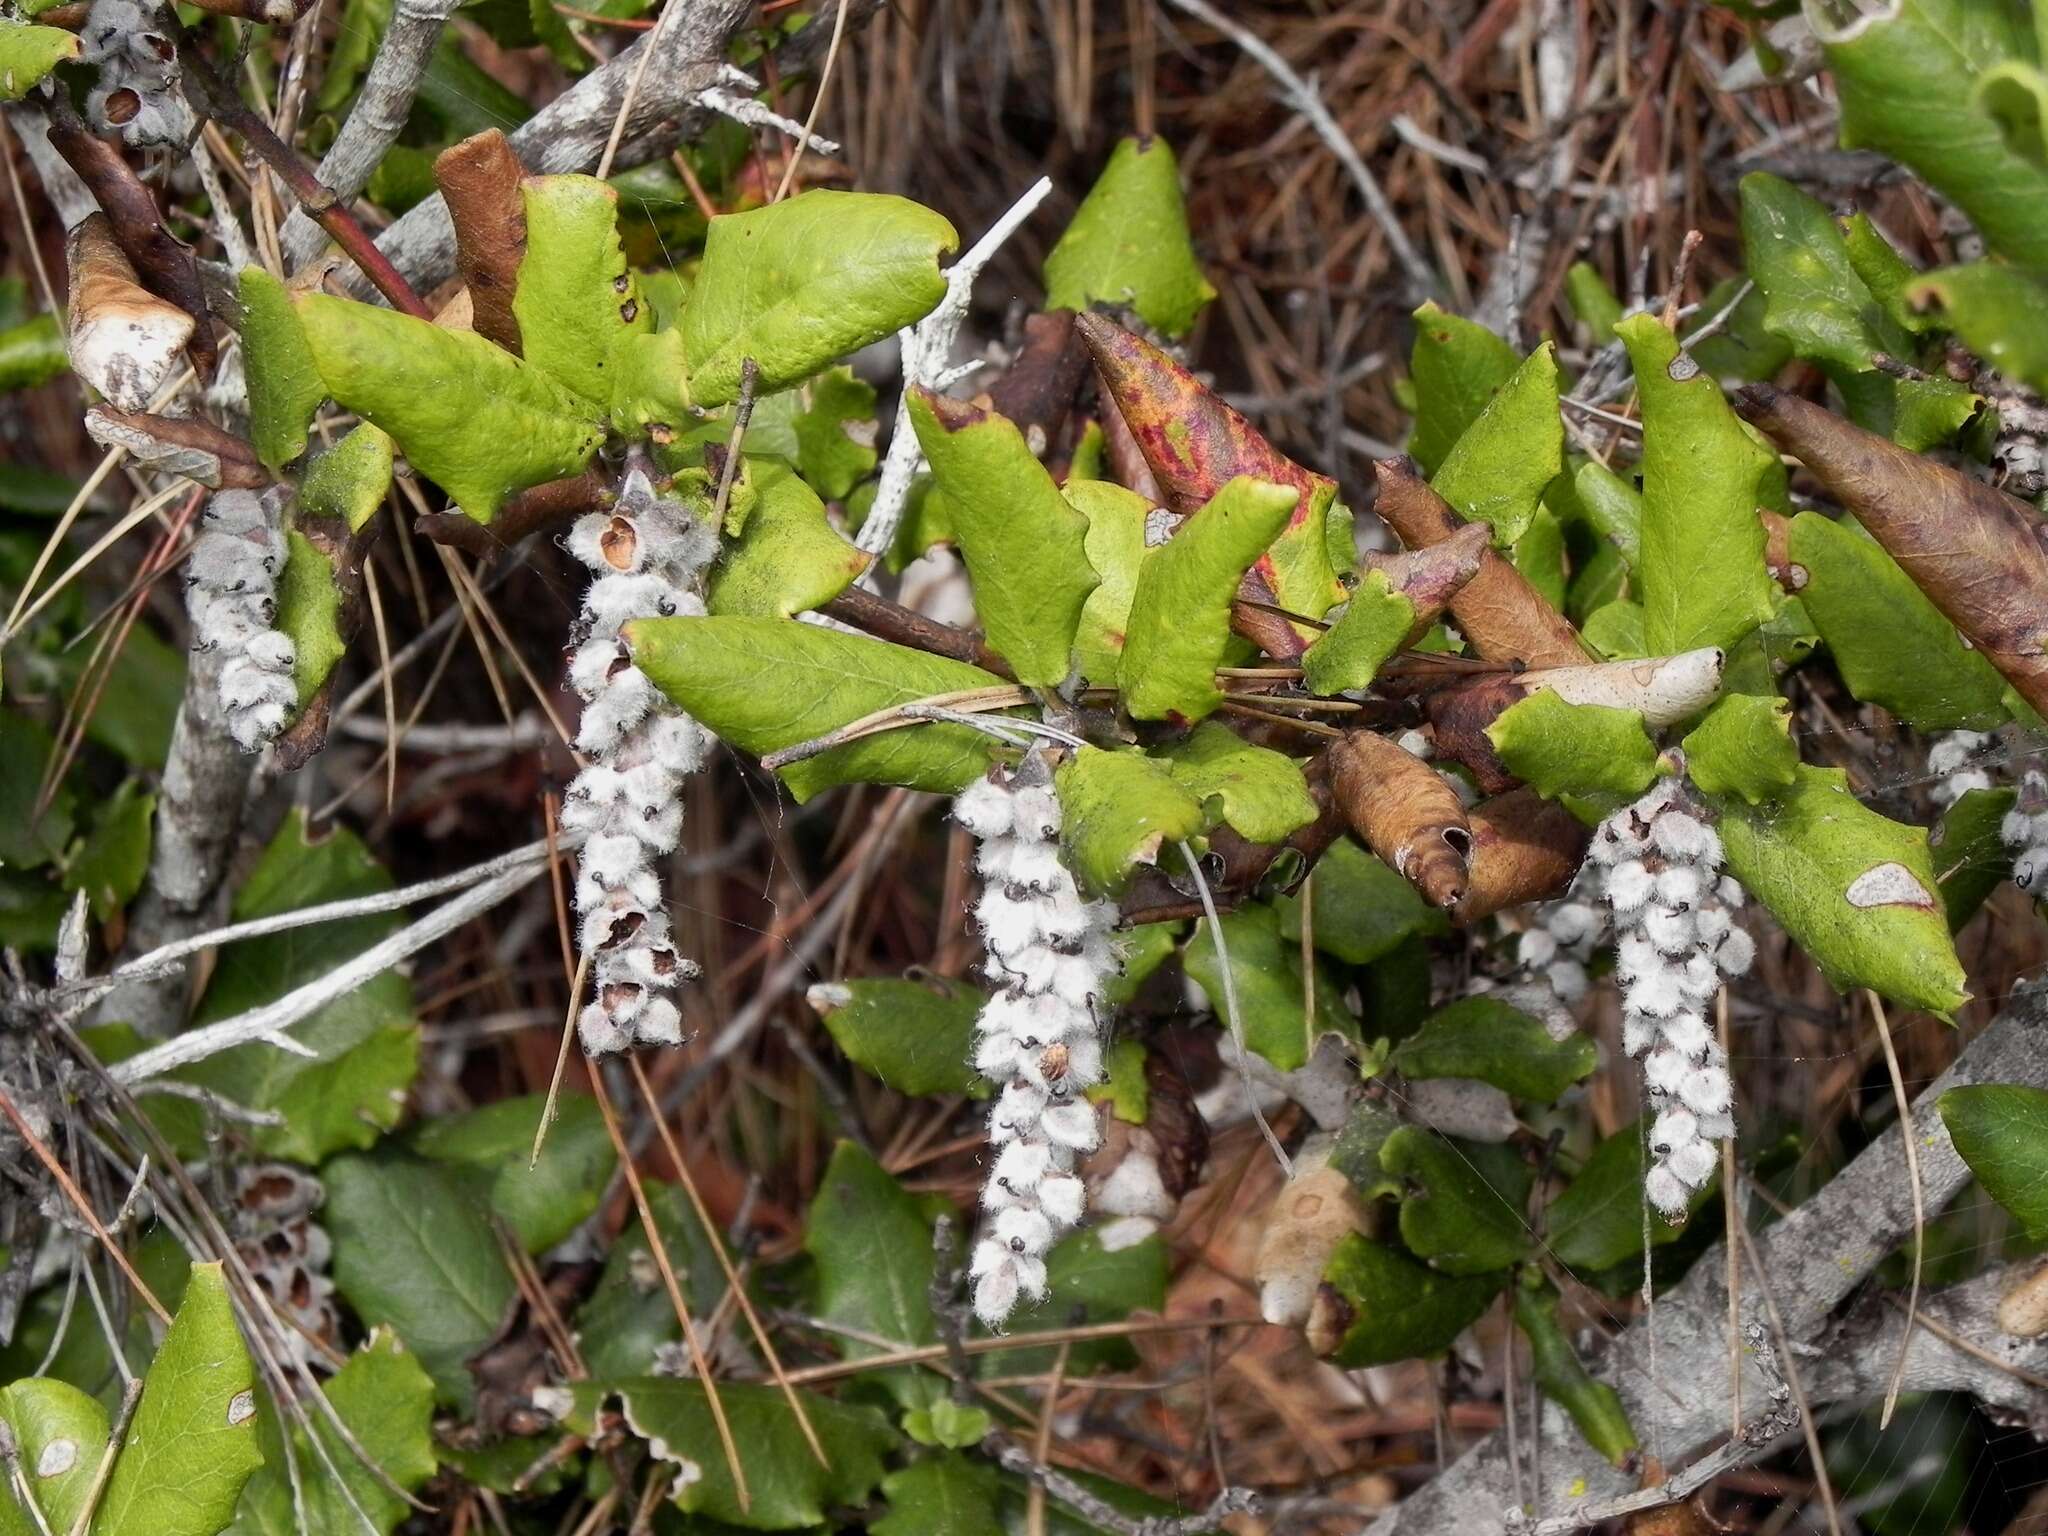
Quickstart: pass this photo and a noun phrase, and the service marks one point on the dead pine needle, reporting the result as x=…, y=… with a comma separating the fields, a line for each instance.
x=1911, y=1143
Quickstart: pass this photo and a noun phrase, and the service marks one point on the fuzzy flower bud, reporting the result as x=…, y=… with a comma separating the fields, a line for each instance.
x=231, y=595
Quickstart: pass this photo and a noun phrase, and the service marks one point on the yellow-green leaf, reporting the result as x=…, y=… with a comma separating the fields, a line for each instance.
x=1115, y=547
x=1496, y=471
x=1349, y=654
x=1129, y=246
x=788, y=558
x=1258, y=791
x=284, y=382
x=1119, y=810
x=350, y=480
x=28, y=53
x=1744, y=747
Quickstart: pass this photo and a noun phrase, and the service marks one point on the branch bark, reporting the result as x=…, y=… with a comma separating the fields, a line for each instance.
x=1816, y=1257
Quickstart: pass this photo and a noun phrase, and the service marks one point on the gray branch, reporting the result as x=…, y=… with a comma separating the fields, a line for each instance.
x=374, y=122
x=1816, y=1258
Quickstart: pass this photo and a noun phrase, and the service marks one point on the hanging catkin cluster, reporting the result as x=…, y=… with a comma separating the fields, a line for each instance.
x=1049, y=957
x=1957, y=764
x=1560, y=940
x=135, y=92
x=231, y=595
x=646, y=552
x=2025, y=831
x=1673, y=915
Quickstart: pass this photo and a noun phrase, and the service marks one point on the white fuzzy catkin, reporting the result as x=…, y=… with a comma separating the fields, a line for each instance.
x=647, y=553
x=1956, y=762
x=231, y=595
x=1558, y=944
x=2025, y=832
x=1659, y=865
x=1040, y=1034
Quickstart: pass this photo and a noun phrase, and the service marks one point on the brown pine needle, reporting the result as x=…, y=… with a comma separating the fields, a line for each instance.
x=72, y=1193
x=796, y=152
x=390, y=692
x=1908, y=1140
x=547, y=1109
x=732, y=1275
x=698, y=1362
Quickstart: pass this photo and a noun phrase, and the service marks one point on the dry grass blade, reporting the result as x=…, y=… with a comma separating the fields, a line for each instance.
x=1911, y=1143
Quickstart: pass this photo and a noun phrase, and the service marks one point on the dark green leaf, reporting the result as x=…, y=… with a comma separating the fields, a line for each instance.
x=542, y=1203
x=1398, y=1309
x=941, y=1494
x=1971, y=859
x=1361, y=908
x=916, y=1037
x=628, y=1316
x=2001, y=1130
x=29, y=840
x=1597, y=1223
x=1483, y=1038
x=1594, y=1406
x=1466, y=1213
x=871, y=1248
x=1265, y=972
x=1356, y=1154
x=1088, y=1282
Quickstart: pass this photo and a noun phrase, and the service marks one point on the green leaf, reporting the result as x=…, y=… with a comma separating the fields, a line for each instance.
x=1496, y=471
x=804, y=282
x=824, y=679
x=1595, y=304
x=835, y=434
x=1884, y=271
x=1539, y=555
x=1466, y=1214
x=192, y=1443
x=948, y=1424
x=1022, y=543
x=1855, y=889
x=2016, y=95
x=1483, y=1038
x=1970, y=856
x=941, y=1494
x=32, y=353
x=916, y=1037
x=1361, y=909
x=1744, y=747
x=1891, y=644
x=788, y=558
x=2001, y=1130
x=1741, y=350
x=1616, y=630
x=1702, y=576
x=1129, y=246
x=28, y=53
x=542, y=1203
x=871, y=1250
x=1119, y=810
x=387, y=1402
x=1265, y=971
x=467, y=414
x=1813, y=295
x=1124, y=1087
x=1457, y=366
x=1597, y=1223
x=790, y=1489
x=1115, y=547
x=1398, y=1309
x=1574, y=749
x=1092, y=1284
x=1179, y=624
x=350, y=480
x=365, y=1044
x=29, y=841
x=111, y=865
x=413, y=1248
x=628, y=1316
x=1906, y=78
x=1373, y=626
x=1997, y=310
x=1613, y=506
x=62, y=1434
x=1356, y=1153
x=1594, y=1406
x=309, y=611
x=285, y=386
x=577, y=302
x=1260, y=793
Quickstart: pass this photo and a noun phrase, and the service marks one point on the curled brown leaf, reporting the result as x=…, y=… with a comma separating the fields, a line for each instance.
x=1524, y=848
x=1405, y=812
x=123, y=340
x=479, y=178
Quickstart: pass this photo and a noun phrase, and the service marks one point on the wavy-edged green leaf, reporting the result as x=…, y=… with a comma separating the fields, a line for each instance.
x=951, y=1494
x=387, y=1402
x=1179, y=627
x=2016, y=97
x=804, y=282
x=1971, y=859
x=466, y=413
x=1115, y=547
x=1593, y=1406
x=1496, y=471
x=1023, y=544
x=1891, y=644
x=1260, y=793
x=309, y=611
x=1701, y=576
x=1360, y=908
x=1813, y=295
x=628, y=1317
x=414, y=1249
x=1128, y=244
x=350, y=480
x=918, y=1038
x=790, y=1490
x=835, y=433
x=1613, y=507
x=1266, y=974
x=1597, y=1222
x=823, y=679
x=1484, y=1038
x=2001, y=1130
x=285, y=384
x=1457, y=365
x=1615, y=630
x=1465, y=1212
x=544, y=1201
x=576, y=299
x=1574, y=749
x=1350, y=653
x=62, y=1435
x=871, y=1254
x=192, y=1443
x=1596, y=306
x=1396, y=1309
x=1118, y=810
x=27, y=53
x=788, y=558
x=1998, y=311
x=1744, y=747
x=1856, y=890
x=365, y=1043
x=1906, y=77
